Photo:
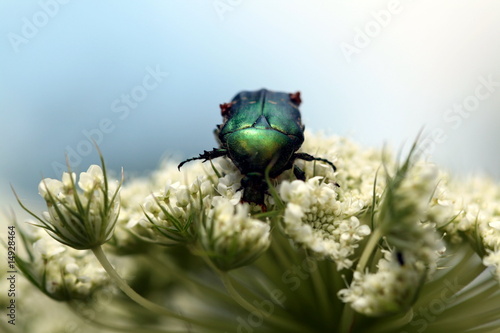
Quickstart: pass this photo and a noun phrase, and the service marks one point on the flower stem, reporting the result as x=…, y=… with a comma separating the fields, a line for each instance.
x=194, y=285
x=290, y=326
x=369, y=249
x=346, y=320
x=112, y=327
x=133, y=295
x=320, y=289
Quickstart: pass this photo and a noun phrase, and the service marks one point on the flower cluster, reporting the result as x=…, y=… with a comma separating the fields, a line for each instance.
x=232, y=238
x=205, y=212
x=473, y=210
x=412, y=245
x=389, y=290
x=83, y=219
x=364, y=248
x=169, y=213
x=316, y=219
x=62, y=272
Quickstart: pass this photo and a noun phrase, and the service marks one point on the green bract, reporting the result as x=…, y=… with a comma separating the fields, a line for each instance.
x=82, y=216
x=261, y=132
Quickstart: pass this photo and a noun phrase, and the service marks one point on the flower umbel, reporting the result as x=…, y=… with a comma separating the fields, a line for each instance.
x=410, y=248
x=375, y=246
x=61, y=272
x=230, y=237
x=317, y=219
x=82, y=217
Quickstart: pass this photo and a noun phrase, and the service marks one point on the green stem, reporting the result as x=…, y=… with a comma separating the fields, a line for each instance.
x=112, y=327
x=320, y=289
x=369, y=250
x=193, y=284
x=133, y=295
x=235, y=295
x=290, y=326
x=346, y=320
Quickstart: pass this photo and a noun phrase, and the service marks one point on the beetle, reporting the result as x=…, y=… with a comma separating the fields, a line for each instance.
x=261, y=129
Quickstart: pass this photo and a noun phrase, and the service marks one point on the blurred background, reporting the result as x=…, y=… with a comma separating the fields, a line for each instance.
x=144, y=78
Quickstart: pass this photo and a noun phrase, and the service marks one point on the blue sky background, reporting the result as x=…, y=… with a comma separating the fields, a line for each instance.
x=66, y=65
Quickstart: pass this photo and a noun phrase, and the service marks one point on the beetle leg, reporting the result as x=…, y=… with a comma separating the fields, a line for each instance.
x=400, y=258
x=299, y=174
x=307, y=157
x=207, y=155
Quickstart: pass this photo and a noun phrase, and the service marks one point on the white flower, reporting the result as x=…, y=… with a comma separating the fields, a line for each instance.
x=229, y=187
x=390, y=289
x=91, y=179
x=316, y=219
x=63, y=272
x=230, y=237
x=493, y=259
x=472, y=214
x=182, y=196
x=81, y=221
x=495, y=225
x=48, y=248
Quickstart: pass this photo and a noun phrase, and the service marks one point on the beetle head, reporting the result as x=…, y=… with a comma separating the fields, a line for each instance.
x=254, y=188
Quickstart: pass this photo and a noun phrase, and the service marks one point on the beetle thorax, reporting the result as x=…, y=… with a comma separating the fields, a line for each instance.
x=254, y=149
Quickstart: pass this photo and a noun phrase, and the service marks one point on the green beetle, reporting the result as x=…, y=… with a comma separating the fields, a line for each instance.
x=260, y=129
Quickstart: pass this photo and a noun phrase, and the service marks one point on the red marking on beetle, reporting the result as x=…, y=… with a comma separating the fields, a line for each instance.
x=224, y=109
x=295, y=97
